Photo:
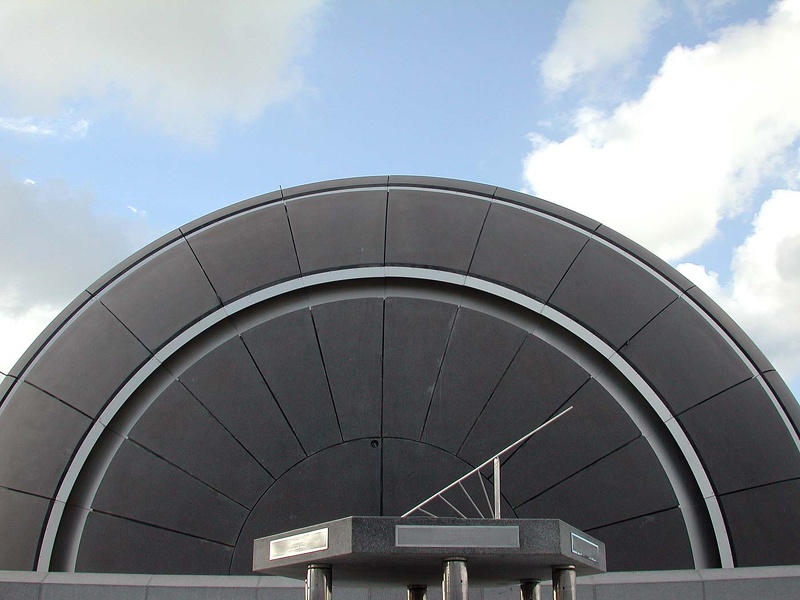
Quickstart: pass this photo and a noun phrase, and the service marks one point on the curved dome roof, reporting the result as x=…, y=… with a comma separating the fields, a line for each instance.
x=350, y=347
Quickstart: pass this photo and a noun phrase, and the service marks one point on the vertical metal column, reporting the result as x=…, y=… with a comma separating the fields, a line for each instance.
x=417, y=592
x=454, y=580
x=529, y=589
x=496, y=463
x=319, y=582
x=564, y=587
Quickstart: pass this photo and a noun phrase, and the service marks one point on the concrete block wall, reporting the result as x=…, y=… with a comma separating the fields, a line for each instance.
x=757, y=583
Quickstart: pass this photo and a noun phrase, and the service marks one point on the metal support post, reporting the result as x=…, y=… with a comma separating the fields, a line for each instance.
x=417, y=592
x=564, y=587
x=529, y=589
x=319, y=582
x=454, y=580
x=496, y=487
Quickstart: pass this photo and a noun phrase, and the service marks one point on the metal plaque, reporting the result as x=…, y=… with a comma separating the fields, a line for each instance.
x=302, y=543
x=454, y=536
x=583, y=547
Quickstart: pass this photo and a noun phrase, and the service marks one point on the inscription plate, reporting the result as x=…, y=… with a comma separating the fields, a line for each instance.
x=302, y=543
x=452, y=536
x=583, y=547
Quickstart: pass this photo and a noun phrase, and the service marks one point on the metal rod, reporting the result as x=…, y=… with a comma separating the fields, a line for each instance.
x=417, y=592
x=486, y=495
x=446, y=501
x=471, y=501
x=319, y=582
x=483, y=464
x=564, y=587
x=529, y=589
x=454, y=579
x=496, y=487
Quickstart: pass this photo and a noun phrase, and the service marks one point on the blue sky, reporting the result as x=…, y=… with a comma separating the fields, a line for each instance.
x=676, y=122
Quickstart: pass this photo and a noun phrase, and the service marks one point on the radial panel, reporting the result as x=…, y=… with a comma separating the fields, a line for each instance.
x=247, y=252
x=161, y=296
x=426, y=228
x=525, y=251
x=409, y=377
x=179, y=429
x=88, y=361
x=227, y=382
x=287, y=353
x=351, y=339
x=478, y=353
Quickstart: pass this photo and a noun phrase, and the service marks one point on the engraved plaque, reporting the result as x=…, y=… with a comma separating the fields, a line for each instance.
x=583, y=547
x=302, y=543
x=453, y=536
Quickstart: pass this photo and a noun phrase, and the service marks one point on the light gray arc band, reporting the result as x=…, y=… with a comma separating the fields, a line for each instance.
x=693, y=516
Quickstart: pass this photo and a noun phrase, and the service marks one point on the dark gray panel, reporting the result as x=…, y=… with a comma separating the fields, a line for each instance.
x=729, y=325
x=46, y=334
x=627, y=483
x=229, y=385
x=784, y=395
x=611, y=295
x=415, y=338
x=433, y=229
x=179, y=429
x=351, y=338
x=339, y=481
x=38, y=435
x=142, y=487
x=162, y=296
x=247, y=252
x=288, y=355
x=339, y=230
x=525, y=251
x=479, y=352
x=539, y=380
x=444, y=183
x=227, y=211
x=413, y=471
x=547, y=208
x=652, y=542
x=643, y=254
x=113, y=545
x=595, y=427
x=684, y=358
x=21, y=520
x=764, y=524
x=336, y=184
x=741, y=440
x=94, y=348
x=133, y=259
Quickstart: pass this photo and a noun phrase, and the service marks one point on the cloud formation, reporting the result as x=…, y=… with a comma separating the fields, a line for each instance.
x=664, y=169
x=763, y=295
x=54, y=245
x=596, y=35
x=184, y=66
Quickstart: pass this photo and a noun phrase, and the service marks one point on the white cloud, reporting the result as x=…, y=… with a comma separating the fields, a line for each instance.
x=182, y=65
x=597, y=34
x=54, y=244
x=763, y=295
x=64, y=127
x=666, y=168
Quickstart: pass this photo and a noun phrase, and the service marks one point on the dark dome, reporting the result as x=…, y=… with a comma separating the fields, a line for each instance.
x=350, y=347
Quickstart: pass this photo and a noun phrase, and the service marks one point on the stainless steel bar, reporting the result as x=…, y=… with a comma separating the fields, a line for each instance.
x=471, y=501
x=530, y=589
x=483, y=464
x=454, y=579
x=319, y=582
x=450, y=504
x=564, y=586
x=496, y=487
x=417, y=592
